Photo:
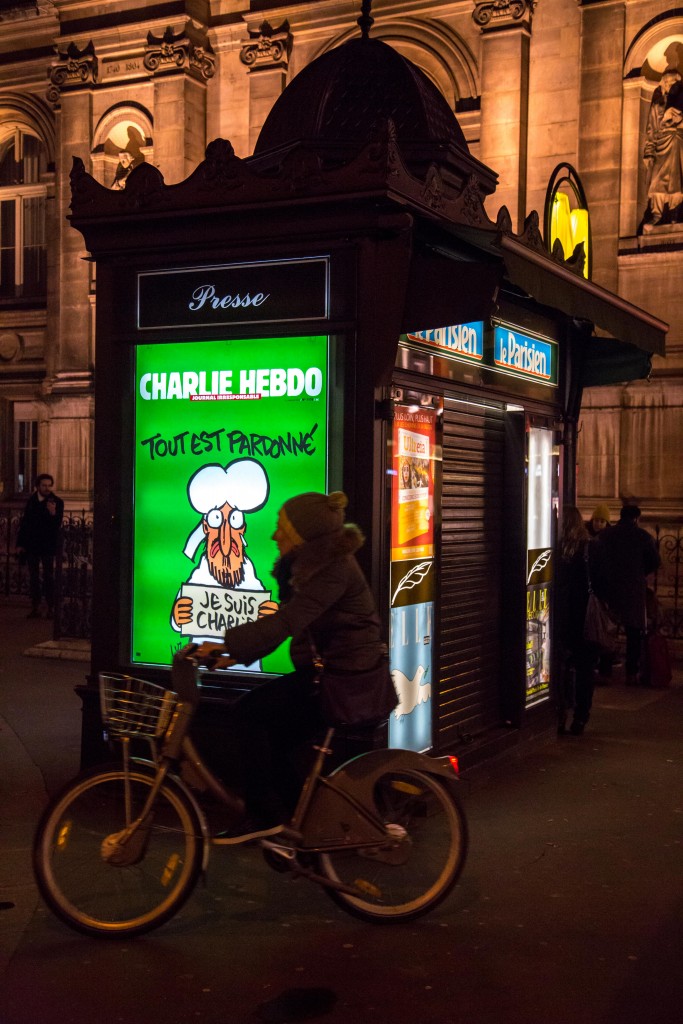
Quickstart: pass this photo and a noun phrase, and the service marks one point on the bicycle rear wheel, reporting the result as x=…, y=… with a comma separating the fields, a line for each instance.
x=98, y=897
x=421, y=861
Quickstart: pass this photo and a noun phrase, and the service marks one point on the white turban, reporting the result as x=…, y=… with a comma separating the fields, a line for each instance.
x=243, y=485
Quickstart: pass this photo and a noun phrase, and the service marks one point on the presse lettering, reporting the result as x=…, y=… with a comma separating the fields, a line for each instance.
x=205, y=294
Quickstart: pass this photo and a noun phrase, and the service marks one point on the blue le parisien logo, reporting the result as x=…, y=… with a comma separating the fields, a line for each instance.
x=529, y=357
x=463, y=341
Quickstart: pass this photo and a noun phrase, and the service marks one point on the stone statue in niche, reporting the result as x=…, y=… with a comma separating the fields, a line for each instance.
x=663, y=152
x=129, y=158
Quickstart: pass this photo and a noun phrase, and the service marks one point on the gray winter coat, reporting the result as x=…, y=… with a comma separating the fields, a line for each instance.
x=330, y=602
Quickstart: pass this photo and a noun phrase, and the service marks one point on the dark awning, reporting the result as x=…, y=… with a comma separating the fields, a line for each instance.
x=553, y=285
x=443, y=291
x=610, y=361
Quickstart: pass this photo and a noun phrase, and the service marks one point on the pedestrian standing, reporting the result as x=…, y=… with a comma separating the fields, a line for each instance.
x=625, y=556
x=573, y=583
x=599, y=521
x=37, y=542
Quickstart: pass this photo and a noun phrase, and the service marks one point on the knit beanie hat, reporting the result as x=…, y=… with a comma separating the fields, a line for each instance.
x=312, y=515
x=601, y=512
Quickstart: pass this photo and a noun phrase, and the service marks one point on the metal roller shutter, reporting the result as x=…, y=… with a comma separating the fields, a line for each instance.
x=471, y=569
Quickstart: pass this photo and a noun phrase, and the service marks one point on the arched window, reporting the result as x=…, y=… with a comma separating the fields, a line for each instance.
x=23, y=259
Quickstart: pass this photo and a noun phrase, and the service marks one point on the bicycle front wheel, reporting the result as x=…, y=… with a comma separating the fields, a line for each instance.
x=421, y=861
x=94, y=895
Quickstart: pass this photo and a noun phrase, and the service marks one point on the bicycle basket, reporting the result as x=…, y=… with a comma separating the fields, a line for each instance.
x=135, y=707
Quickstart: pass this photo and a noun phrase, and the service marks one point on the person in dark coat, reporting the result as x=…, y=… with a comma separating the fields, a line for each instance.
x=626, y=556
x=573, y=581
x=599, y=521
x=37, y=541
x=326, y=607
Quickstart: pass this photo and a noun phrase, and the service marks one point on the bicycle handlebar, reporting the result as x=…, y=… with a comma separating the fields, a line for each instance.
x=213, y=655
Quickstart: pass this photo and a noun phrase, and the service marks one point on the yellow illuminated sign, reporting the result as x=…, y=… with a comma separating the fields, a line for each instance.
x=570, y=226
x=565, y=215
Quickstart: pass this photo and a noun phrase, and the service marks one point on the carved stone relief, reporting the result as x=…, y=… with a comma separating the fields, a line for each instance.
x=74, y=69
x=269, y=47
x=10, y=346
x=188, y=51
x=184, y=51
x=663, y=150
x=498, y=13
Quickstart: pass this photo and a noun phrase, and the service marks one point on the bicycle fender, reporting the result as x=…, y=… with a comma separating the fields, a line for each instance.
x=364, y=769
x=331, y=815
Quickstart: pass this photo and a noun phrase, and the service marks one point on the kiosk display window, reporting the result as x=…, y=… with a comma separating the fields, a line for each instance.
x=539, y=564
x=412, y=575
x=225, y=432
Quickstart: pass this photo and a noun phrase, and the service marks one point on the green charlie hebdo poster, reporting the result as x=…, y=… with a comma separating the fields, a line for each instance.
x=225, y=432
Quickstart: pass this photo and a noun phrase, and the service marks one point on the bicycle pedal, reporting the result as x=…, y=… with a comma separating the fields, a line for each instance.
x=276, y=862
x=283, y=850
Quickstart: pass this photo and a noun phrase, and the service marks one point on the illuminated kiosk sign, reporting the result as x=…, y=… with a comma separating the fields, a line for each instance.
x=509, y=352
x=539, y=564
x=412, y=576
x=225, y=432
x=462, y=341
x=523, y=356
x=260, y=293
x=566, y=215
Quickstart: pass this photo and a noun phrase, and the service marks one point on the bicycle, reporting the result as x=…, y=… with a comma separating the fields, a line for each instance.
x=120, y=849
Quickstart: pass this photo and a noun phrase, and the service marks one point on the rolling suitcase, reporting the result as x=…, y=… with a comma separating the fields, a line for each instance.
x=657, y=661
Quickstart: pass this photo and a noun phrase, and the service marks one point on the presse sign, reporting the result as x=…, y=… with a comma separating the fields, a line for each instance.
x=277, y=291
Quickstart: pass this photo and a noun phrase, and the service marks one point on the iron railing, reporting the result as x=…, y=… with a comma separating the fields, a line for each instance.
x=13, y=576
x=73, y=570
x=669, y=578
x=73, y=577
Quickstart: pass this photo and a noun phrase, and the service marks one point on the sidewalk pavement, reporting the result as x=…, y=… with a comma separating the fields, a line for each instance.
x=568, y=909
x=40, y=724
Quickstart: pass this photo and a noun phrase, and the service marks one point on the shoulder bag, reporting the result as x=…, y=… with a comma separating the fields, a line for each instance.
x=600, y=627
x=355, y=698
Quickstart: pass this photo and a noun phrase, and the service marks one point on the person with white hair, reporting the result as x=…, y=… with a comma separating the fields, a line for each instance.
x=222, y=496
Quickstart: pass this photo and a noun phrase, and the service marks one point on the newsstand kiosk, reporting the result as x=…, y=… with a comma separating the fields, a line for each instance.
x=341, y=314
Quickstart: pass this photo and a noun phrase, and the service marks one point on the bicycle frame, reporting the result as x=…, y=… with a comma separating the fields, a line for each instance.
x=384, y=840
x=332, y=813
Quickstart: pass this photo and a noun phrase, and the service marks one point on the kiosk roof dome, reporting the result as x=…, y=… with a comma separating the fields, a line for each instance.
x=337, y=101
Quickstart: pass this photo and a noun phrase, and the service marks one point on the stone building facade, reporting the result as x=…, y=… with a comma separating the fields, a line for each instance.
x=534, y=84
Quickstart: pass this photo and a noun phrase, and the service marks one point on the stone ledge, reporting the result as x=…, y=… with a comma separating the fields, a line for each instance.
x=66, y=649
x=665, y=241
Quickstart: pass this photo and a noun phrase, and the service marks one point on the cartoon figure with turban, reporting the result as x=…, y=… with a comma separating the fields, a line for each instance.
x=222, y=496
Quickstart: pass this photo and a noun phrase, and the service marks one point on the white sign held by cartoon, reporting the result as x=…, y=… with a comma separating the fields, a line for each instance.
x=215, y=609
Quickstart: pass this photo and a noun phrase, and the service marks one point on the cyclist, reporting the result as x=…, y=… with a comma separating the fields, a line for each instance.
x=328, y=610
